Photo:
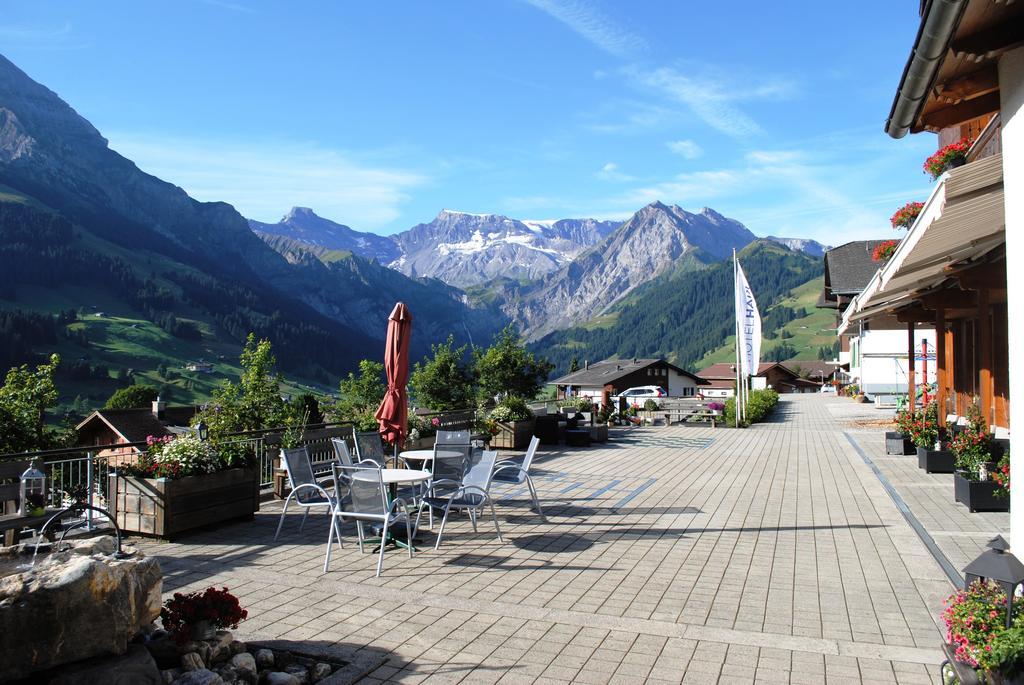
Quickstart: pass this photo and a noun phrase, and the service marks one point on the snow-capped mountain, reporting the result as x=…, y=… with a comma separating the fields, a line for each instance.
x=809, y=247
x=464, y=249
x=303, y=224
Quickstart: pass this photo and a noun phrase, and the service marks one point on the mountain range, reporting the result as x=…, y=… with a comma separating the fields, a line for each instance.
x=83, y=227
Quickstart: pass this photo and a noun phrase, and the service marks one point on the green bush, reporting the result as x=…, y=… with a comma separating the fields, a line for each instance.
x=578, y=403
x=650, y=405
x=512, y=409
x=759, y=405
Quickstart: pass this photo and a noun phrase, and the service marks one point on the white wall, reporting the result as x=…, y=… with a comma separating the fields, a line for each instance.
x=880, y=365
x=1011, y=96
x=680, y=385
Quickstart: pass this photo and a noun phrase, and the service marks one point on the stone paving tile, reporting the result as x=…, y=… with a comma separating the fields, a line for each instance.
x=680, y=554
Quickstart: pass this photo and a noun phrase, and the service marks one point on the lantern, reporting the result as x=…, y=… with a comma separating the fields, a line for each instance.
x=33, y=491
x=203, y=430
x=996, y=564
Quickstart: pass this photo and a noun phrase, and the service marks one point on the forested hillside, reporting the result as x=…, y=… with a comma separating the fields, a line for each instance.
x=683, y=315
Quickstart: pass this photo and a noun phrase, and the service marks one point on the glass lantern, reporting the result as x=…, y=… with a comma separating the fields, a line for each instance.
x=33, y=491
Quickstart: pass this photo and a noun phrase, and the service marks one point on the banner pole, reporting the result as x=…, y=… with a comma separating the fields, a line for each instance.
x=736, y=304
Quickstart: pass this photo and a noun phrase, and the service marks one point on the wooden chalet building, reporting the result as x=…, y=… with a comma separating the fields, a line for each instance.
x=601, y=380
x=721, y=379
x=123, y=426
x=965, y=78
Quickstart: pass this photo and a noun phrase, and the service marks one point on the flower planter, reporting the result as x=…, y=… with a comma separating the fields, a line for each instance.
x=967, y=675
x=935, y=461
x=598, y=433
x=898, y=443
x=978, y=495
x=513, y=436
x=165, y=508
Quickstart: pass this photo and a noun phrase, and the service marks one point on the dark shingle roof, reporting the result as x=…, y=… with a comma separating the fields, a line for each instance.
x=138, y=424
x=727, y=371
x=610, y=370
x=849, y=267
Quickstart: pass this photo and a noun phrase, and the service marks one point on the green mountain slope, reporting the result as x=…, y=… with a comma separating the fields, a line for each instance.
x=684, y=314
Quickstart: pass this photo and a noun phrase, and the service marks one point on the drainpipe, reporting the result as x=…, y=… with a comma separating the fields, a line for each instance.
x=939, y=21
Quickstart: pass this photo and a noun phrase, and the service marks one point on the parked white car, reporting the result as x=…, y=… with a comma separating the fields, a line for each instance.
x=641, y=394
x=828, y=389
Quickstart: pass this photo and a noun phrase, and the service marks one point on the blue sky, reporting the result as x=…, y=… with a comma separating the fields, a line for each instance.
x=378, y=115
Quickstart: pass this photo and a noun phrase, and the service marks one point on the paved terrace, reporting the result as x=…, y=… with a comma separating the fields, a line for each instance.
x=672, y=555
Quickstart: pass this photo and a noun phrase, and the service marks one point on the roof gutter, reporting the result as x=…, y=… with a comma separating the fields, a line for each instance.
x=939, y=22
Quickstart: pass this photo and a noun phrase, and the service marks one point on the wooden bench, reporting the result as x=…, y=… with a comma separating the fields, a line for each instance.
x=321, y=454
x=683, y=416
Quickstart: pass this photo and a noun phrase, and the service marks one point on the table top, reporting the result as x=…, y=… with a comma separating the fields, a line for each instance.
x=427, y=455
x=390, y=476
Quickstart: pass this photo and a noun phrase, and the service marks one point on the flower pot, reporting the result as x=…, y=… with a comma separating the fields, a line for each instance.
x=935, y=461
x=898, y=443
x=965, y=674
x=514, y=435
x=978, y=495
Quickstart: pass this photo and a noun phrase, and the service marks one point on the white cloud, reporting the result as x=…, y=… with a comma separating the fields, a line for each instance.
x=593, y=26
x=264, y=179
x=610, y=172
x=712, y=97
x=687, y=149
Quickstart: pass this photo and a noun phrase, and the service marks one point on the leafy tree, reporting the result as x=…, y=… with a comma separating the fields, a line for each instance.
x=132, y=397
x=252, y=403
x=24, y=399
x=506, y=368
x=443, y=381
x=361, y=395
x=574, y=365
x=307, y=405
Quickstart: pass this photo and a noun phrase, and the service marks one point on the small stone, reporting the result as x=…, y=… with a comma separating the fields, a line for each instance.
x=244, y=662
x=169, y=675
x=200, y=676
x=164, y=652
x=224, y=637
x=228, y=675
x=191, y=661
x=264, y=658
x=237, y=647
x=278, y=678
x=219, y=653
x=319, y=671
x=299, y=671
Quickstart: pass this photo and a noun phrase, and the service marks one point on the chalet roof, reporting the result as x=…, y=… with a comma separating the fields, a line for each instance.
x=135, y=425
x=849, y=267
x=727, y=371
x=812, y=368
x=610, y=370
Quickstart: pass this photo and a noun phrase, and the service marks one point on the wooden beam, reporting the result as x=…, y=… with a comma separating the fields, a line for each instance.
x=914, y=315
x=989, y=279
x=989, y=42
x=938, y=119
x=949, y=299
x=980, y=82
x=985, y=366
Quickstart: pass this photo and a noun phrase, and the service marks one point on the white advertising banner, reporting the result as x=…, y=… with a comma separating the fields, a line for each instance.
x=748, y=325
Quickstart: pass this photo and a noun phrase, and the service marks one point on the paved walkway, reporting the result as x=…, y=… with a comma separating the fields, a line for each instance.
x=678, y=554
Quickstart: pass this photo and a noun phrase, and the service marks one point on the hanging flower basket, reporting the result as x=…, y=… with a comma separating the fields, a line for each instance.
x=953, y=155
x=884, y=250
x=906, y=215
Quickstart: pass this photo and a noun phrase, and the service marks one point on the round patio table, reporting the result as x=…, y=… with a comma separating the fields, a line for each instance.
x=424, y=456
x=392, y=478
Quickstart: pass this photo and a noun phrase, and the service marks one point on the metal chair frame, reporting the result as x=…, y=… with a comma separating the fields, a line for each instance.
x=390, y=513
x=458, y=500
x=520, y=474
x=305, y=485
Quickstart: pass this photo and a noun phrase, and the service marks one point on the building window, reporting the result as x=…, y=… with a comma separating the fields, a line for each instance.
x=688, y=391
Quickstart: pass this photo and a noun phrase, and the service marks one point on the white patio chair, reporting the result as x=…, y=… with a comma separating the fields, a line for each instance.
x=305, y=490
x=368, y=504
x=508, y=472
x=471, y=496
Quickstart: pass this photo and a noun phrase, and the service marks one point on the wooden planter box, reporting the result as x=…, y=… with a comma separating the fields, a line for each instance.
x=897, y=443
x=978, y=495
x=935, y=461
x=513, y=436
x=598, y=433
x=165, y=508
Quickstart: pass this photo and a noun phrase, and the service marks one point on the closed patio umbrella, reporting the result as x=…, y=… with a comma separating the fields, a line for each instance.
x=393, y=411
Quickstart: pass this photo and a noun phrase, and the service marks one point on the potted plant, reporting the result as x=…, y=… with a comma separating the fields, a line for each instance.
x=949, y=157
x=906, y=215
x=422, y=432
x=924, y=431
x=198, y=615
x=978, y=643
x=972, y=452
x=899, y=441
x=514, y=421
x=884, y=250
x=180, y=483
x=487, y=427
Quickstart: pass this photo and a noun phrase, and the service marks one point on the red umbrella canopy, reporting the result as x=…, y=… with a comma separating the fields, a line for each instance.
x=393, y=411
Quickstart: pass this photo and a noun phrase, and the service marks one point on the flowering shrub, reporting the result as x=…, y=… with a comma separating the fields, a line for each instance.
x=219, y=608
x=905, y=215
x=924, y=427
x=176, y=457
x=487, y=426
x=884, y=250
x=904, y=420
x=512, y=408
x=716, y=406
x=948, y=156
x=972, y=447
x=975, y=618
x=1001, y=475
